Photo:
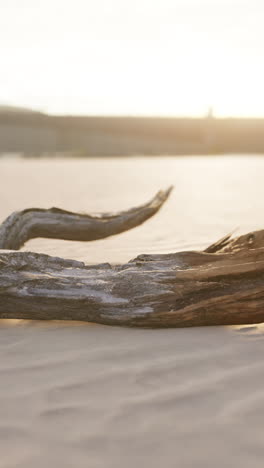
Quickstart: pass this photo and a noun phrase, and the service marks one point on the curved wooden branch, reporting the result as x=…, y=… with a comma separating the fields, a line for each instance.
x=223, y=285
x=61, y=224
x=173, y=290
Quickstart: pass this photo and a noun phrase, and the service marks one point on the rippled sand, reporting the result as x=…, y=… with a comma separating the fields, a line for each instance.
x=82, y=395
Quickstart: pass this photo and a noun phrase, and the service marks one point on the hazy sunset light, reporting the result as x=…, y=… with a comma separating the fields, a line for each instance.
x=140, y=57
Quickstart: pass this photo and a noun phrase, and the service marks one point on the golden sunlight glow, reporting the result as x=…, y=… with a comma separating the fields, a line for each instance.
x=140, y=57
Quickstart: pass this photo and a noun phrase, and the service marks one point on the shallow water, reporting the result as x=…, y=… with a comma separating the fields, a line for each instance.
x=83, y=395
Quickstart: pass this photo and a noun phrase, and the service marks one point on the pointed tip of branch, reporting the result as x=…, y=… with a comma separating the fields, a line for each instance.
x=167, y=192
x=161, y=196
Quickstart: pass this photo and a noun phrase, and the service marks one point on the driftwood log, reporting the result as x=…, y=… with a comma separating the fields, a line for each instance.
x=222, y=285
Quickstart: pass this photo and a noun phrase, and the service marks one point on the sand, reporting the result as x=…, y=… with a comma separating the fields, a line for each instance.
x=76, y=395
x=94, y=396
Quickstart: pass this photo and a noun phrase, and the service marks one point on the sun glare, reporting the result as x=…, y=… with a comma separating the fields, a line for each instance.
x=135, y=58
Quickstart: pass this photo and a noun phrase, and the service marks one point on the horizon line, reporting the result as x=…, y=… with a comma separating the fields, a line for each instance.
x=208, y=115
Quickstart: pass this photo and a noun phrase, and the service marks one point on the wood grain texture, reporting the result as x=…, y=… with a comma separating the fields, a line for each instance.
x=55, y=223
x=220, y=286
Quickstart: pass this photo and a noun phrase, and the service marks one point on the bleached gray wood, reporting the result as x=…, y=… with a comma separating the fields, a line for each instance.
x=223, y=285
x=55, y=223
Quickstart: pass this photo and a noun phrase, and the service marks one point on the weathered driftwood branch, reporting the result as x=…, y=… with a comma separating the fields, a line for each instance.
x=223, y=285
x=55, y=223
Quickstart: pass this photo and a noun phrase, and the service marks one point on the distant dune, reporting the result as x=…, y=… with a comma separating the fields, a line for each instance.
x=16, y=110
x=35, y=133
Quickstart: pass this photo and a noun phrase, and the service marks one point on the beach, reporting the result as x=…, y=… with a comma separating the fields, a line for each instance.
x=84, y=395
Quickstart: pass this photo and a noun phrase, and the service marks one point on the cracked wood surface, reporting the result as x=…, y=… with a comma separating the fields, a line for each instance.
x=220, y=286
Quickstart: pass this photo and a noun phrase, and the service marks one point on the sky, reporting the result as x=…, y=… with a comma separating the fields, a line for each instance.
x=133, y=57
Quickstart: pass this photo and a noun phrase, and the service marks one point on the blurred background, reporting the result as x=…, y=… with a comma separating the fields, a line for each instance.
x=130, y=78
x=177, y=84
